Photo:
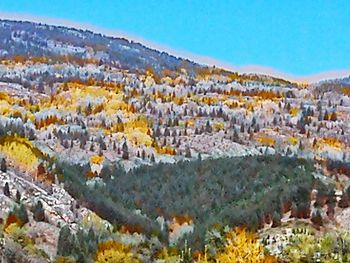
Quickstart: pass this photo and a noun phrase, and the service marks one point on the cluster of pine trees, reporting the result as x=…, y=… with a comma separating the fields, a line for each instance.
x=241, y=191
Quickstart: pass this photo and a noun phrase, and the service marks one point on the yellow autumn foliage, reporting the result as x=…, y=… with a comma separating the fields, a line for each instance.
x=92, y=220
x=140, y=123
x=149, y=81
x=266, y=140
x=232, y=103
x=250, y=106
x=243, y=247
x=346, y=90
x=96, y=159
x=168, y=256
x=166, y=150
x=179, y=100
x=333, y=142
x=62, y=259
x=167, y=80
x=4, y=96
x=209, y=100
x=6, y=106
x=20, y=151
x=69, y=101
x=294, y=112
x=138, y=138
x=114, y=252
x=137, y=129
x=292, y=140
x=219, y=126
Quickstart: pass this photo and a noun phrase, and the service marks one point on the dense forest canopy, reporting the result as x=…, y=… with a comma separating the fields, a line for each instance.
x=226, y=191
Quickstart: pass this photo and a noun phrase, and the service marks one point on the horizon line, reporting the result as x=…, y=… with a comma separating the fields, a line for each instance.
x=200, y=59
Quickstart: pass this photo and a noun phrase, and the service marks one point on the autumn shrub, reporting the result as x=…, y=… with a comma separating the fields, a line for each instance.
x=61, y=259
x=21, y=151
x=168, y=255
x=309, y=247
x=18, y=234
x=114, y=252
x=242, y=246
x=17, y=215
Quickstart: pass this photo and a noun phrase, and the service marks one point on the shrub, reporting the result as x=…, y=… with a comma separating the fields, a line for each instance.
x=114, y=252
x=243, y=247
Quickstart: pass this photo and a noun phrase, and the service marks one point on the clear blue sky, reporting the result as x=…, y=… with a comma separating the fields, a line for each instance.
x=296, y=37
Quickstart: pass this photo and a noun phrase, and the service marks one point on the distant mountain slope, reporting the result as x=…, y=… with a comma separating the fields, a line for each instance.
x=32, y=39
x=340, y=81
x=340, y=85
x=23, y=39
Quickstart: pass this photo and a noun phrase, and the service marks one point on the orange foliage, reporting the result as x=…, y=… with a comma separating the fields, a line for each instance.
x=166, y=150
x=263, y=94
x=119, y=127
x=98, y=108
x=183, y=219
x=91, y=174
x=132, y=229
x=346, y=90
x=54, y=59
x=333, y=142
x=48, y=121
x=209, y=100
x=179, y=100
x=19, y=59
x=231, y=104
x=265, y=140
x=12, y=219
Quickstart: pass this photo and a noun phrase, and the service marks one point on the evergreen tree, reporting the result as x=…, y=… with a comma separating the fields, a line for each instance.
x=294, y=210
x=18, y=197
x=276, y=219
x=125, y=149
x=344, y=201
x=82, y=144
x=92, y=148
x=188, y=152
x=7, y=190
x=39, y=213
x=31, y=135
x=65, y=243
x=208, y=127
x=316, y=218
x=102, y=144
x=235, y=136
x=333, y=116
x=242, y=128
x=22, y=214
x=3, y=166
x=326, y=117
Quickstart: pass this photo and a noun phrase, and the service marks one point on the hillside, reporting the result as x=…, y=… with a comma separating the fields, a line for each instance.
x=38, y=40
x=109, y=149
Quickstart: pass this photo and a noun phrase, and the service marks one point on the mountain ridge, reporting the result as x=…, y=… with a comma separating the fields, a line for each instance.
x=38, y=36
x=198, y=59
x=130, y=55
